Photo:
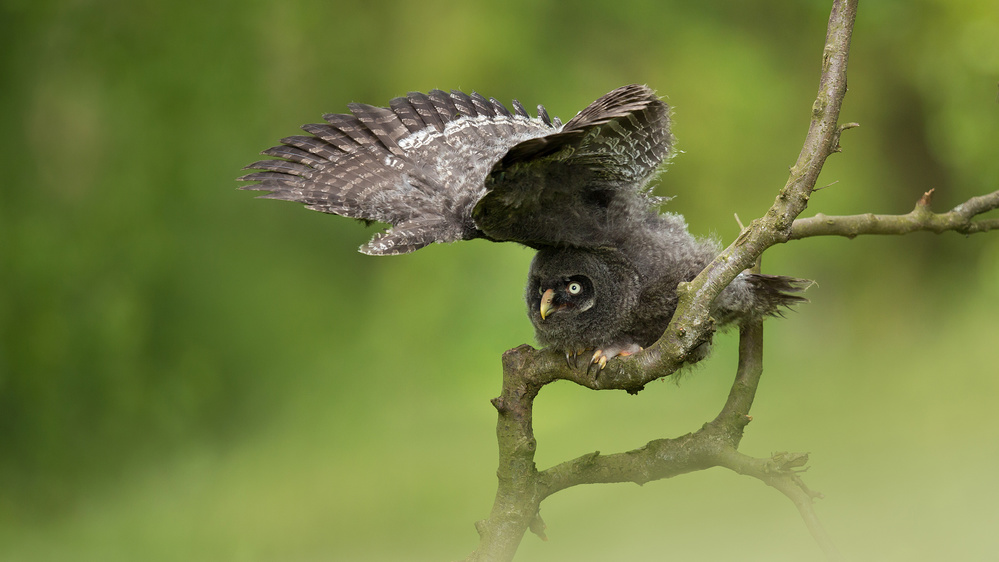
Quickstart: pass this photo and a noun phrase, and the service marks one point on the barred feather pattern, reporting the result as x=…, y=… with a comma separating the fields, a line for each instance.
x=586, y=185
x=419, y=164
x=634, y=138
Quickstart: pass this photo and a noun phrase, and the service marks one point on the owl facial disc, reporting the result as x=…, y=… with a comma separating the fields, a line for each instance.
x=573, y=292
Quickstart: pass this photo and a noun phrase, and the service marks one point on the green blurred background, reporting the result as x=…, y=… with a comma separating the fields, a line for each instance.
x=187, y=373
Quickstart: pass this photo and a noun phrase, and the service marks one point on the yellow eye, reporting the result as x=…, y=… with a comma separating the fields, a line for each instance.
x=574, y=288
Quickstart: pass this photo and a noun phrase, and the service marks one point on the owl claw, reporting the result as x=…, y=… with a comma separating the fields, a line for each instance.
x=601, y=356
x=572, y=357
x=599, y=360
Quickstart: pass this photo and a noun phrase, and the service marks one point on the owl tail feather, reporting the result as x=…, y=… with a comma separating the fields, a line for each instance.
x=751, y=296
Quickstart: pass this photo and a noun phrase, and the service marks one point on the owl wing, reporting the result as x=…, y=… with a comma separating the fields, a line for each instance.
x=585, y=185
x=419, y=165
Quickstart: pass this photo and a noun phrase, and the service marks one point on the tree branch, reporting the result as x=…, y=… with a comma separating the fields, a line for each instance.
x=666, y=458
x=958, y=219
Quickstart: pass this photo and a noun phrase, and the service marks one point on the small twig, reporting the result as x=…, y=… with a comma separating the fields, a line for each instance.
x=839, y=131
x=926, y=199
x=830, y=184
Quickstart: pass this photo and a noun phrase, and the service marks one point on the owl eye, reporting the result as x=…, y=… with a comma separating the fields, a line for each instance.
x=574, y=288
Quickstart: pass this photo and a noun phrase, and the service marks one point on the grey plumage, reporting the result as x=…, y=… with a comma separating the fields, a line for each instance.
x=443, y=167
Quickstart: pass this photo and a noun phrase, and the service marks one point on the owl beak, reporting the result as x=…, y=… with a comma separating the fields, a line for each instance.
x=546, y=303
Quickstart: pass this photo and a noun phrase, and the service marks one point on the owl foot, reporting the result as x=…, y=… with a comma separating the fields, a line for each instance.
x=572, y=356
x=601, y=356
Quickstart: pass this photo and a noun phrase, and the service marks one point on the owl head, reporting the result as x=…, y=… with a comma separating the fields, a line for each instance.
x=580, y=297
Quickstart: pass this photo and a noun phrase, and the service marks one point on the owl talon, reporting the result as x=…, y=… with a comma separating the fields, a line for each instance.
x=599, y=360
x=572, y=357
x=602, y=356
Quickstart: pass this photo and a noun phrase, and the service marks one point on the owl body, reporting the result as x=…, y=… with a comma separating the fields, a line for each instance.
x=443, y=167
x=627, y=294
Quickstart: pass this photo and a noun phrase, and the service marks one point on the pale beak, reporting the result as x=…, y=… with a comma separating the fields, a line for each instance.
x=546, y=303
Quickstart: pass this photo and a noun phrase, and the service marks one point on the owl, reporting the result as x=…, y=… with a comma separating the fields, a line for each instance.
x=443, y=167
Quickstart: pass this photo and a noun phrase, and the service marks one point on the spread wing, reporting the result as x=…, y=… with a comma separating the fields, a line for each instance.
x=585, y=185
x=419, y=165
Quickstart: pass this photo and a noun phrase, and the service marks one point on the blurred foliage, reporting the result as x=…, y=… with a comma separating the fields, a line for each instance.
x=187, y=373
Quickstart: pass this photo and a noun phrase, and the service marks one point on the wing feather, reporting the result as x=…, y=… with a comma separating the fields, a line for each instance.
x=293, y=154
x=519, y=109
x=311, y=144
x=383, y=123
x=407, y=114
x=441, y=167
x=582, y=185
x=424, y=106
x=419, y=165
